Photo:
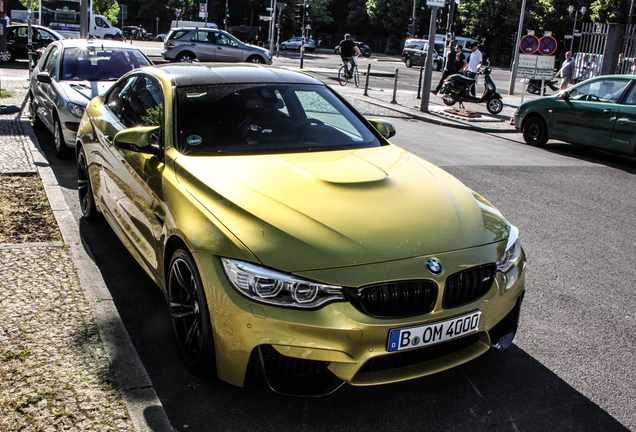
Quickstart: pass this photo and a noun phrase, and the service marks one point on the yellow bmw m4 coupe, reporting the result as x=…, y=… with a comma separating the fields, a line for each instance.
x=289, y=235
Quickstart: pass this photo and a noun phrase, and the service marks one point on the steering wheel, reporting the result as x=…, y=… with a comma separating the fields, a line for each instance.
x=593, y=98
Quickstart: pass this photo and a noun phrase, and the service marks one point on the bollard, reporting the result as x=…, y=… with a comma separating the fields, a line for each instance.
x=419, y=83
x=395, y=86
x=366, y=84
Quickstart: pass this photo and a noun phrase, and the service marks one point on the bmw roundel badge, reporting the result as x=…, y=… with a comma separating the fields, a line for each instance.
x=434, y=266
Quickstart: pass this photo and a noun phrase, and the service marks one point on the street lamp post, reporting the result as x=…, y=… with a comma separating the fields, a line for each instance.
x=576, y=18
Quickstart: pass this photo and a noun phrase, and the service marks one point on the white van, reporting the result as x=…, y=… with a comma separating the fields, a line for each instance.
x=461, y=41
x=182, y=23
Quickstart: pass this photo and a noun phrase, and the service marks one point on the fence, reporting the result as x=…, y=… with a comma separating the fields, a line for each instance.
x=593, y=38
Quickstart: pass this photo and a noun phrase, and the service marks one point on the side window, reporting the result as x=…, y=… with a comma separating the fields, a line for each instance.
x=605, y=90
x=51, y=61
x=221, y=39
x=203, y=36
x=631, y=97
x=11, y=34
x=143, y=105
x=22, y=32
x=46, y=36
x=116, y=96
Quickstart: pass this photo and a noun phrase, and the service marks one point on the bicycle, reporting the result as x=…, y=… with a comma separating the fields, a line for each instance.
x=344, y=77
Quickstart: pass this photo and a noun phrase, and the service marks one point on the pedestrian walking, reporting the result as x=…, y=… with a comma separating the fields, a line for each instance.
x=567, y=70
x=449, y=67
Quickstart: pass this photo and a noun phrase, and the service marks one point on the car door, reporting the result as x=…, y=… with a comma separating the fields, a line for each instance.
x=130, y=181
x=45, y=95
x=589, y=112
x=18, y=41
x=623, y=139
x=227, y=49
x=204, y=43
x=419, y=56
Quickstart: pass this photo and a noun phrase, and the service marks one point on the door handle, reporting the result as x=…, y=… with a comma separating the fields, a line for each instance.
x=608, y=111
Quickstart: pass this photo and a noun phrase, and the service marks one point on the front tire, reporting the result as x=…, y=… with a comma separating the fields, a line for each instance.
x=535, y=132
x=256, y=59
x=84, y=188
x=494, y=106
x=61, y=149
x=436, y=66
x=189, y=313
x=283, y=47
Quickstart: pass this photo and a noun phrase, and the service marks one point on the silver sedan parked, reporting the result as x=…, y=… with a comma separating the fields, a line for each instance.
x=69, y=74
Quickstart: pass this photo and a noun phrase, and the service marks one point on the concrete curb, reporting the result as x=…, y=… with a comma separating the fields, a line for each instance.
x=143, y=404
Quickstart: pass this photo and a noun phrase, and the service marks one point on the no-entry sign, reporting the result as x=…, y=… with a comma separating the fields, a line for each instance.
x=529, y=44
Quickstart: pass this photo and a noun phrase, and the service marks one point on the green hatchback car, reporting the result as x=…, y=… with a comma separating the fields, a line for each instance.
x=599, y=112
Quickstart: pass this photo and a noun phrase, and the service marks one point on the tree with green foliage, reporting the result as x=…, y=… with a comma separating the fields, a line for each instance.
x=610, y=11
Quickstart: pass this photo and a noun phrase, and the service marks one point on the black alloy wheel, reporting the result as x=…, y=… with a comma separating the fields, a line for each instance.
x=535, y=132
x=189, y=313
x=84, y=188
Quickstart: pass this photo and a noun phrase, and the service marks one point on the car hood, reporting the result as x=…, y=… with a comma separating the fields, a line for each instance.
x=81, y=92
x=332, y=209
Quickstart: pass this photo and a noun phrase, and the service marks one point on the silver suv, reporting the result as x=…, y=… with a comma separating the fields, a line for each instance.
x=210, y=45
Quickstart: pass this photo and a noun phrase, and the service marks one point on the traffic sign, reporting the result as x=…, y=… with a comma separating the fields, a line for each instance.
x=547, y=45
x=529, y=44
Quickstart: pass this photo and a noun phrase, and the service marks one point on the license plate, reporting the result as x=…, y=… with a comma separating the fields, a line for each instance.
x=429, y=334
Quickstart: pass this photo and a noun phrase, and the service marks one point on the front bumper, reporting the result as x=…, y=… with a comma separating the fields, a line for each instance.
x=340, y=343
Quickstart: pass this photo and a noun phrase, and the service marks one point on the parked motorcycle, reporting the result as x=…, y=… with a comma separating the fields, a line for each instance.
x=456, y=88
x=534, y=86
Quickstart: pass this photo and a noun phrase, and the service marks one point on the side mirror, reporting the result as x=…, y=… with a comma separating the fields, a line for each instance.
x=386, y=129
x=137, y=139
x=43, y=77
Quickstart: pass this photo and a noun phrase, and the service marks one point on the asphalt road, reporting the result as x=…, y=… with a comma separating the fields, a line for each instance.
x=571, y=366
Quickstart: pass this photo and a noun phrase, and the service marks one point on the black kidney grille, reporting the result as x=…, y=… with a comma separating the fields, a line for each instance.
x=419, y=355
x=468, y=285
x=397, y=299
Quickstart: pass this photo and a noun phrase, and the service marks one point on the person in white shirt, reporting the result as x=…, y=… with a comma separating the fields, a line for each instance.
x=474, y=63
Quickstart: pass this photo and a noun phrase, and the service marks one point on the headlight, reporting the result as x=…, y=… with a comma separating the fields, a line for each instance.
x=76, y=110
x=269, y=286
x=513, y=251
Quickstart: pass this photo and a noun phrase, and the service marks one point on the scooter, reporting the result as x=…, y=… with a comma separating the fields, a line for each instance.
x=456, y=89
x=534, y=86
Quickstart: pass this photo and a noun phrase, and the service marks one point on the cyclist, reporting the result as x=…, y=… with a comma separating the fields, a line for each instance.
x=348, y=51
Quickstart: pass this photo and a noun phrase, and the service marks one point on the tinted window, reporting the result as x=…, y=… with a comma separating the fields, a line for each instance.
x=261, y=119
x=178, y=34
x=100, y=63
x=141, y=103
x=51, y=61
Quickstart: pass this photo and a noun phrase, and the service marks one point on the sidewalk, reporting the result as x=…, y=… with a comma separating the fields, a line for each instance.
x=66, y=361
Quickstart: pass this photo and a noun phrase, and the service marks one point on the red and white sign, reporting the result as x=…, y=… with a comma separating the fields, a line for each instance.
x=547, y=45
x=529, y=44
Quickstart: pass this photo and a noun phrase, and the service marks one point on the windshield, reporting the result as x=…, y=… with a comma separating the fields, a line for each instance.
x=100, y=63
x=264, y=118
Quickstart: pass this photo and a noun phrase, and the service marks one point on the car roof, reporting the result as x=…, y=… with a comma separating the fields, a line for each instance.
x=106, y=43
x=187, y=74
